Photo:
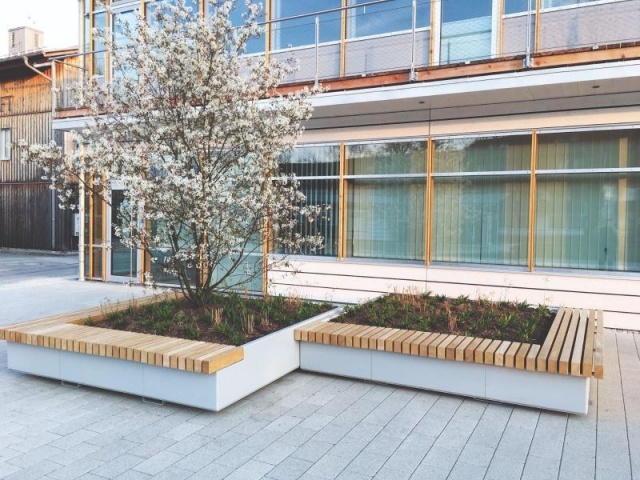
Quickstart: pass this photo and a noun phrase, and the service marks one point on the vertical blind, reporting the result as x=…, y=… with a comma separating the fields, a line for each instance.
x=587, y=199
x=481, y=200
x=386, y=202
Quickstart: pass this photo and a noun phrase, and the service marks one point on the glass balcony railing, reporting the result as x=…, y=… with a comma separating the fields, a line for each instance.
x=374, y=37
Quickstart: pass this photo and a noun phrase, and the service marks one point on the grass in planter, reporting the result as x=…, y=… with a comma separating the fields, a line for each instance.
x=458, y=316
x=231, y=319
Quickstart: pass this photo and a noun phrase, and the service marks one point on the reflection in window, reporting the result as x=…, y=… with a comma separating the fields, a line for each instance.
x=478, y=216
x=517, y=6
x=386, y=215
x=466, y=30
x=317, y=168
x=387, y=17
x=588, y=219
x=298, y=32
x=563, y=3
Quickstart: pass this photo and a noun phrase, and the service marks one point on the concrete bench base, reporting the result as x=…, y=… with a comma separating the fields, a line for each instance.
x=534, y=389
x=265, y=360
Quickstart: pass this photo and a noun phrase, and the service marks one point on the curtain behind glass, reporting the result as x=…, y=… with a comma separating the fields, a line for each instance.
x=481, y=218
x=386, y=216
x=588, y=220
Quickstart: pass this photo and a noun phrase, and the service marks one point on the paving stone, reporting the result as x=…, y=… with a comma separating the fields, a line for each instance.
x=386, y=473
x=251, y=470
x=158, y=462
x=466, y=471
x=539, y=468
x=213, y=471
x=515, y=443
x=477, y=455
x=577, y=467
x=290, y=469
x=317, y=421
x=173, y=473
x=75, y=453
x=504, y=469
x=35, y=456
x=189, y=444
x=133, y=475
x=297, y=436
x=331, y=434
x=76, y=469
x=283, y=424
x=35, y=471
x=347, y=475
x=275, y=453
x=329, y=466
x=152, y=447
x=182, y=431
x=312, y=451
x=383, y=445
x=443, y=458
x=117, y=466
x=367, y=463
x=424, y=472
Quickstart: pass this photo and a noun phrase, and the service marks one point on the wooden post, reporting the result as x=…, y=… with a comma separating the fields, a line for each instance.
x=532, y=200
x=342, y=220
x=623, y=155
x=428, y=201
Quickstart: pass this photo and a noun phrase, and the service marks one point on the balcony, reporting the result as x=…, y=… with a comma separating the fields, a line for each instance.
x=358, y=48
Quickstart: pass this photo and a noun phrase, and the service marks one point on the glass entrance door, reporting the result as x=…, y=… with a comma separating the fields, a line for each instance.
x=123, y=260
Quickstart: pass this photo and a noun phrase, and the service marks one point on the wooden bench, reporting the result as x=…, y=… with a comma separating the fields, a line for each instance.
x=68, y=332
x=574, y=345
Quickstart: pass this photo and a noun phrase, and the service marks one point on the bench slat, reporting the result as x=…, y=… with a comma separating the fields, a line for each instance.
x=541, y=364
x=598, y=354
x=556, y=349
x=570, y=340
x=578, y=348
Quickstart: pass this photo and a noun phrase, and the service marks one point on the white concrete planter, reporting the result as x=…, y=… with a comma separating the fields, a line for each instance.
x=265, y=360
x=534, y=389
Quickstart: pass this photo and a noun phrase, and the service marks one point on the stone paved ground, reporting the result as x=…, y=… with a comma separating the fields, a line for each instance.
x=311, y=426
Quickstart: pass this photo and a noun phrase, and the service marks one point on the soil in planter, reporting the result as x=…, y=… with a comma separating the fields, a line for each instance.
x=229, y=319
x=483, y=318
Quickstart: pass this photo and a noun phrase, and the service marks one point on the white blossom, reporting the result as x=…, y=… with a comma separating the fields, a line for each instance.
x=193, y=130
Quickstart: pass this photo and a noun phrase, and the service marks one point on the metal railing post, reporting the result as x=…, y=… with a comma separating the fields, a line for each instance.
x=527, y=59
x=317, y=50
x=412, y=75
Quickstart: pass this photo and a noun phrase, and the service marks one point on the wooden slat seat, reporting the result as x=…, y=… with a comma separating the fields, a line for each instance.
x=573, y=346
x=68, y=332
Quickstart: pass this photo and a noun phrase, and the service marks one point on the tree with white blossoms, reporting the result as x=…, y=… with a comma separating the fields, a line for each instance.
x=192, y=130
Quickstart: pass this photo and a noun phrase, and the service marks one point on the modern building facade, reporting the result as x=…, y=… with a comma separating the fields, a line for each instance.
x=29, y=213
x=467, y=147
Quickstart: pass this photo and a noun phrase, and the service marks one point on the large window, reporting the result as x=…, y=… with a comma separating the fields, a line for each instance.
x=466, y=30
x=238, y=18
x=387, y=17
x=588, y=201
x=481, y=200
x=317, y=168
x=5, y=144
x=300, y=31
x=386, y=193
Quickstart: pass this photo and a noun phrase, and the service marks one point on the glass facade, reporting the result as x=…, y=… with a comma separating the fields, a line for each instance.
x=386, y=200
x=481, y=200
x=297, y=28
x=366, y=20
x=587, y=200
x=588, y=203
x=317, y=168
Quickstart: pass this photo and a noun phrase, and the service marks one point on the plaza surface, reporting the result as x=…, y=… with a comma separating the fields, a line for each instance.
x=305, y=425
